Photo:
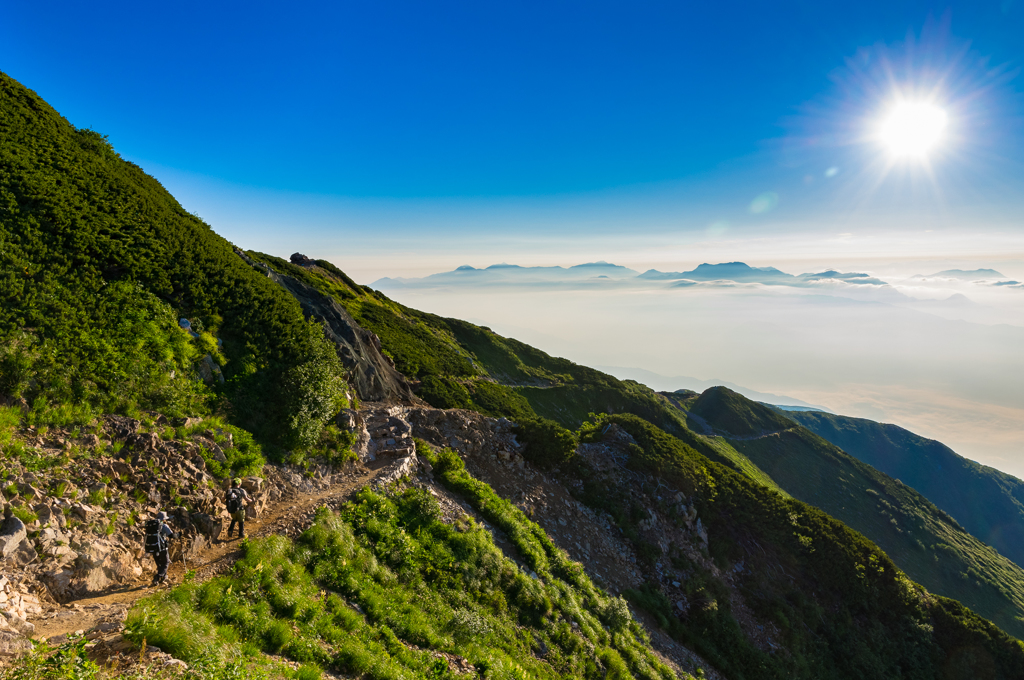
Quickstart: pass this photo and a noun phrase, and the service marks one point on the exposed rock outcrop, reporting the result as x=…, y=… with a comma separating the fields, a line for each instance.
x=373, y=375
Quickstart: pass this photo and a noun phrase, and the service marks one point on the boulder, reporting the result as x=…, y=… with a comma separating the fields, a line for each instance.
x=44, y=513
x=122, y=427
x=143, y=443
x=58, y=581
x=208, y=526
x=83, y=510
x=189, y=547
x=252, y=485
x=12, y=533
x=94, y=553
x=211, y=446
x=25, y=553
x=122, y=567
x=209, y=371
x=256, y=508
x=90, y=581
x=349, y=420
x=13, y=644
x=19, y=623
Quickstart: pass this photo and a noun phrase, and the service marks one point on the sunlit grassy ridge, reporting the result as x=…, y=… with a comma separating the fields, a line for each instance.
x=97, y=263
x=380, y=587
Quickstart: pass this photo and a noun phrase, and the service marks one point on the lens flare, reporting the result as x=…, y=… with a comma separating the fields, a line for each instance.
x=912, y=129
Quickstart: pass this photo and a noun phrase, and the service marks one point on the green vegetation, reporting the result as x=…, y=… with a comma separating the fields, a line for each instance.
x=986, y=502
x=547, y=443
x=382, y=587
x=98, y=261
x=243, y=457
x=70, y=661
x=865, y=617
x=733, y=414
x=927, y=544
x=10, y=418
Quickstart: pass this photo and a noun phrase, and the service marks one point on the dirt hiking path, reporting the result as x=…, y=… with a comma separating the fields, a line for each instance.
x=289, y=516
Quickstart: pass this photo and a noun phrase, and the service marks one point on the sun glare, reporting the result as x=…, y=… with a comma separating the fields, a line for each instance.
x=912, y=129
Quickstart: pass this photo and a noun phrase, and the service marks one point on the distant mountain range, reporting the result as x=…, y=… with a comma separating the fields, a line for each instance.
x=970, y=275
x=743, y=273
x=514, y=274
x=605, y=272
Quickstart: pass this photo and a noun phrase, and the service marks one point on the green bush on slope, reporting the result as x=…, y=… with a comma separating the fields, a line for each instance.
x=97, y=260
x=128, y=353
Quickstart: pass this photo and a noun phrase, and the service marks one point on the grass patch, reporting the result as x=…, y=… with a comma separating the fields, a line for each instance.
x=373, y=589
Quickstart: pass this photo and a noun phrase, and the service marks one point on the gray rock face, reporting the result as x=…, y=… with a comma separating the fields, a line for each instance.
x=206, y=525
x=373, y=376
x=12, y=533
x=13, y=644
x=209, y=371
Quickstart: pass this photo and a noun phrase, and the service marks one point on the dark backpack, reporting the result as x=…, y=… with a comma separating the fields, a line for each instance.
x=234, y=501
x=154, y=541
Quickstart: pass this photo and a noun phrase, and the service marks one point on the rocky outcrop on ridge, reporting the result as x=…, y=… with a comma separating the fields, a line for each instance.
x=372, y=374
x=77, y=526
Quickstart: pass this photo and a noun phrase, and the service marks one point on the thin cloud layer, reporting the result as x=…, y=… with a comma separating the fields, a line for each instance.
x=914, y=351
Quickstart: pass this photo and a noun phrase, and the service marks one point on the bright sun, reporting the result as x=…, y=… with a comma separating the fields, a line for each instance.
x=912, y=129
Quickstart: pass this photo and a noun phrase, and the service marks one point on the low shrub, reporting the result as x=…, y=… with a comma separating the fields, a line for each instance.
x=547, y=444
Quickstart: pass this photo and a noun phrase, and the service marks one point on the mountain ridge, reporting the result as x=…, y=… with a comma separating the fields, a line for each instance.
x=394, y=577
x=988, y=502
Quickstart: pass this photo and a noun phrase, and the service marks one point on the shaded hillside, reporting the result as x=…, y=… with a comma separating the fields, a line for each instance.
x=987, y=502
x=922, y=539
x=841, y=605
x=731, y=413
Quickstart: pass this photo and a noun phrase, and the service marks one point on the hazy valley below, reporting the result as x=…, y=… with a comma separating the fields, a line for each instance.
x=868, y=351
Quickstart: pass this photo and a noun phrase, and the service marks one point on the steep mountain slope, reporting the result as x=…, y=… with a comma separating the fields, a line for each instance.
x=987, y=502
x=378, y=583
x=926, y=542
x=98, y=262
x=462, y=365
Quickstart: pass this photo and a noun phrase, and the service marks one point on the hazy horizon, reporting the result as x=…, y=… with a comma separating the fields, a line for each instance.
x=892, y=361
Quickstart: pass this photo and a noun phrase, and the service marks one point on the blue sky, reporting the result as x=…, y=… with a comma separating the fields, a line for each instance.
x=382, y=111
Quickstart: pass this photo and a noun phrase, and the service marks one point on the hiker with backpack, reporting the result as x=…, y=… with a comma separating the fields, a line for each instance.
x=236, y=500
x=157, y=533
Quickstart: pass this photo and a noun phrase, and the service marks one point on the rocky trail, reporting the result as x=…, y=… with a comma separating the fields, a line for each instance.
x=288, y=516
x=90, y=590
